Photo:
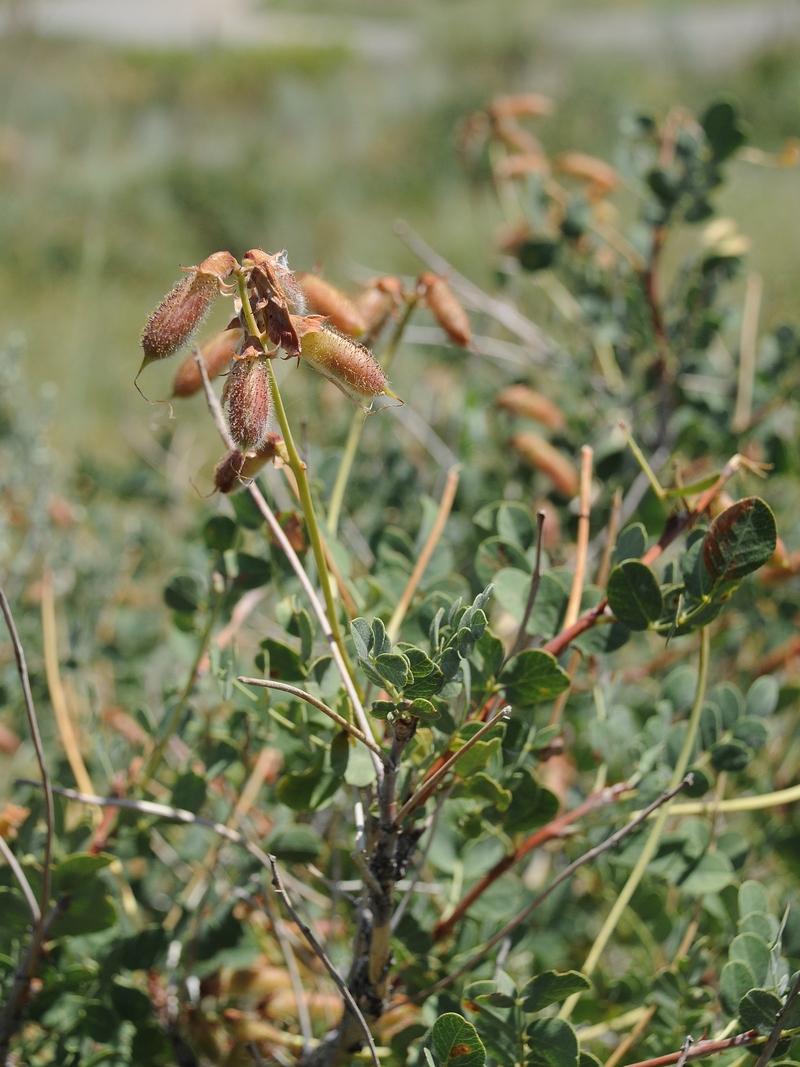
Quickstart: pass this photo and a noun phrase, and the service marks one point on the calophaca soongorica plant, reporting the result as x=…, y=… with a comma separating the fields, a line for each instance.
x=478, y=745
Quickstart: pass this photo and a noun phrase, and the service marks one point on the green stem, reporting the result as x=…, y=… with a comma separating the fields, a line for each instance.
x=180, y=707
x=306, y=503
x=654, y=837
x=357, y=426
x=241, y=282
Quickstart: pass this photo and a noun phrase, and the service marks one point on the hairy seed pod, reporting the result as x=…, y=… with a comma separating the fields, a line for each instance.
x=446, y=309
x=377, y=301
x=349, y=365
x=520, y=165
x=274, y=289
x=216, y=355
x=331, y=302
x=601, y=175
x=249, y=402
x=236, y=468
x=516, y=105
x=526, y=402
x=183, y=309
x=539, y=453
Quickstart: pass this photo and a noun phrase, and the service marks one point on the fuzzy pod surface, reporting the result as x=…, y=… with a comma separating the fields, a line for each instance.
x=249, y=402
x=349, y=365
x=216, y=354
x=236, y=468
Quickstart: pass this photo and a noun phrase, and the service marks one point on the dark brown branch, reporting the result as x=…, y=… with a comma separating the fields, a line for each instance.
x=702, y=1049
x=13, y=1006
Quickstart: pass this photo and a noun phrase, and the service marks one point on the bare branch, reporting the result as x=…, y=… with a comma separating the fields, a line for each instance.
x=329, y=967
x=775, y=1036
x=24, y=884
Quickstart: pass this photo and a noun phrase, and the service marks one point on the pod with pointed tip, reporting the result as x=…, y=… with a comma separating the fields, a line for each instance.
x=237, y=468
x=349, y=365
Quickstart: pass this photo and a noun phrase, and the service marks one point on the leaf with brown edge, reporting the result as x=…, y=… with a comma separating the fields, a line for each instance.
x=740, y=540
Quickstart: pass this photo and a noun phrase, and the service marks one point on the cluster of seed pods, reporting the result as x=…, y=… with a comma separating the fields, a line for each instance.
x=329, y=339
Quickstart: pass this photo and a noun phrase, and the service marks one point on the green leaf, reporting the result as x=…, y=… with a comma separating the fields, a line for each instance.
x=758, y=1010
x=631, y=543
x=339, y=752
x=381, y=645
x=99, y=1023
x=736, y=979
x=533, y=677
x=516, y=523
x=393, y=667
x=712, y=872
x=140, y=951
x=362, y=637
x=285, y=664
x=723, y=129
x=731, y=756
x=296, y=844
x=423, y=709
x=246, y=510
x=751, y=732
x=184, y=593
x=634, y=595
x=456, y=1042
x=360, y=768
x=189, y=792
x=89, y=911
x=762, y=696
x=740, y=540
x=537, y=253
x=551, y=604
x=77, y=869
x=552, y=988
x=14, y=910
x=553, y=1044
x=482, y=785
x=494, y=554
x=603, y=638
x=130, y=1003
x=750, y=949
x=251, y=571
x=752, y=897
x=219, y=533
x=476, y=757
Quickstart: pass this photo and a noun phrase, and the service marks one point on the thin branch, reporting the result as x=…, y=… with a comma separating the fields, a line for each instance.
x=24, y=884
x=268, y=683
x=329, y=967
x=279, y=535
x=425, y=790
x=445, y=506
x=26, y=971
x=703, y=1049
x=584, y=515
x=748, y=349
x=611, y=540
x=534, y=589
x=587, y=857
x=552, y=830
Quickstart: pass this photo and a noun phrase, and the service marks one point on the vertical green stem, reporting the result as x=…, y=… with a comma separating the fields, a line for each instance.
x=651, y=845
x=357, y=426
x=180, y=707
x=306, y=503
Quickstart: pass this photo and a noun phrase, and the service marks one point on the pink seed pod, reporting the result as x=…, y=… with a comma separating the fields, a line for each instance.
x=216, y=354
x=539, y=453
x=349, y=365
x=331, y=302
x=183, y=309
x=236, y=468
x=249, y=402
x=526, y=402
x=518, y=105
x=377, y=301
x=601, y=176
x=446, y=309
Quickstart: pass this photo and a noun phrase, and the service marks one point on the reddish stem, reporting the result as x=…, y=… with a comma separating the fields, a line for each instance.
x=702, y=1049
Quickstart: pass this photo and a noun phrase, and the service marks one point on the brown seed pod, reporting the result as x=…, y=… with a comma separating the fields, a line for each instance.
x=183, y=309
x=520, y=165
x=516, y=105
x=377, y=301
x=216, y=355
x=349, y=365
x=601, y=176
x=236, y=468
x=275, y=290
x=446, y=309
x=249, y=402
x=526, y=402
x=331, y=302
x=539, y=453
x=513, y=136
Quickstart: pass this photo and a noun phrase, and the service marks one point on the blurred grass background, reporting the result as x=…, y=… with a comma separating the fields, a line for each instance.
x=121, y=159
